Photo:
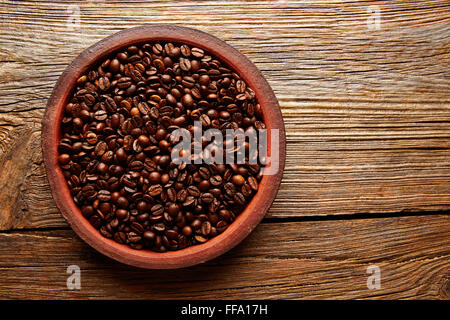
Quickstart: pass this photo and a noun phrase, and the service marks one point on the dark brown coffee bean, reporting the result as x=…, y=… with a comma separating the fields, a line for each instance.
x=200, y=239
x=104, y=195
x=120, y=237
x=64, y=159
x=87, y=211
x=182, y=195
x=246, y=190
x=221, y=226
x=100, y=148
x=187, y=100
x=155, y=190
x=229, y=188
x=185, y=50
x=133, y=237
x=122, y=202
x=171, y=194
x=141, y=206
x=253, y=183
x=215, y=180
x=206, y=228
x=172, y=234
x=143, y=108
x=239, y=199
x=121, y=213
x=104, y=84
x=157, y=209
x=100, y=115
x=121, y=155
x=193, y=191
x=114, y=66
x=149, y=236
x=204, y=185
x=207, y=198
x=238, y=180
x=185, y=64
x=159, y=227
x=173, y=209
x=190, y=200
x=187, y=231
x=197, y=52
x=154, y=177
x=188, y=82
x=137, y=227
x=204, y=173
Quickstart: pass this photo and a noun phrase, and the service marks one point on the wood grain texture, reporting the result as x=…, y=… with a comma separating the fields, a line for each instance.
x=290, y=260
x=367, y=112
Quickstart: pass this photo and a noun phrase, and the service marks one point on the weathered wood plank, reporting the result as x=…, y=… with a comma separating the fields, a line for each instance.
x=367, y=112
x=294, y=260
x=308, y=50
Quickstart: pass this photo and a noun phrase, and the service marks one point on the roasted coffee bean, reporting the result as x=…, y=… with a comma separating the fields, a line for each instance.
x=221, y=226
x=190, y=200
x=193, y=191
x=204, y=173
x=238, y=180
x=229, y=188
x=239, y=199
x=122, y=202
x=137, y=227
x=200, y=239
x=197, y=52
x=120, y=237
x=173, y=209
x=114, y=66
x=159, y=227
x=187, y=231
x=182, y=195
x=134, y=237
x=100, y=148
x=207, y=198
x=185, y=50
x=116, y=145
x=104, y=84
x=187, y=100
x=216, y=180
x=204, y=185
x=206, y=228
x=253, y=183
x=121, y=155
x=157, y=209
x=64, y=158
x=121, y=213
x=149, y=236
x=246, y=190
x=154, y=177
x=87, y=211
x=104, y=195
x=155, y=190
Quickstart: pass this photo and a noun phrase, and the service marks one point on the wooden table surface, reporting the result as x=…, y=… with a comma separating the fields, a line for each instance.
x=367, y=179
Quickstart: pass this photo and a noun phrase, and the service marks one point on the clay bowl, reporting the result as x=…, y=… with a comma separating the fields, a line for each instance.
x=193, y=255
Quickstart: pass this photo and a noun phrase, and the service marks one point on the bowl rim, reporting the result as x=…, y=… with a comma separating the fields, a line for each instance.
x=244, y=223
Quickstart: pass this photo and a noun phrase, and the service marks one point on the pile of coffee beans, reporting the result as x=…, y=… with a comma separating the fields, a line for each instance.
x=116, y=143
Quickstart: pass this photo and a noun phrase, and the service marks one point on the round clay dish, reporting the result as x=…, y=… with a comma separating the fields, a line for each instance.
x=244, y=223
